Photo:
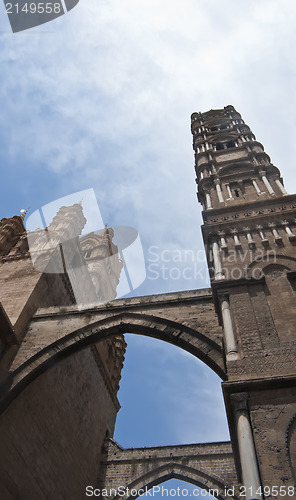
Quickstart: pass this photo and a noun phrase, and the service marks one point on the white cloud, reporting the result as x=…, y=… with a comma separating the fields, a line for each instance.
x=102, y=98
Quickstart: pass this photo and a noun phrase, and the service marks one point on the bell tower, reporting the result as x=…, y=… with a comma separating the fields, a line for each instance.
x=231, y=165
x=249, y=236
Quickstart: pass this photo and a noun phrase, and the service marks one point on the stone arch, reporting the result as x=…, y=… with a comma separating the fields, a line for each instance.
x=270, y=261
x=172, y=470
x=25, y=369
x=161, y=381
x=276, y=272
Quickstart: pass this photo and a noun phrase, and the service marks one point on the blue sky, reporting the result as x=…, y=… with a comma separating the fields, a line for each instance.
x=101, y=98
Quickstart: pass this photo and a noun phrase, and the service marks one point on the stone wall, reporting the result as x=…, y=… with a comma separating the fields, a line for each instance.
x=52, y=434
x=209, y=465
x=272, y=412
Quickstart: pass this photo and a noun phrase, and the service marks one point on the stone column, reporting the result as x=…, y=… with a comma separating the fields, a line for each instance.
x=219, y=192
x=217, y=261
x=262, y=235
x=256, y=187
x=251, y=242
x=208, y=201
x=229, y=337
x=222, y=240
x=237, y=243
x=229, y=192
x=267, y=184
x=290, y=234
x=247, y=453
x=275, y=233
x=279, y=184
x=249, y=237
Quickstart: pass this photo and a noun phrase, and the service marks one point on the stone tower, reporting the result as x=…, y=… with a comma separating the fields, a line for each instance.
x=249, y=236
x=60, y=361
x=52, y=435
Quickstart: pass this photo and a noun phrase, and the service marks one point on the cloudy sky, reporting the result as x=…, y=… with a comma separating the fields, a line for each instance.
x=101, y=98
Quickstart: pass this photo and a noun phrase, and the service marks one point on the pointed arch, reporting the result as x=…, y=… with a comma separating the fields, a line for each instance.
x=172, y=470
x=26, y=369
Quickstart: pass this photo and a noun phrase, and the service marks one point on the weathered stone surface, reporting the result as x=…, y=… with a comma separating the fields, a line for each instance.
x=209, y=464
x=250, y=216
x=186, y=319
x=60, y=364
x=52, y=434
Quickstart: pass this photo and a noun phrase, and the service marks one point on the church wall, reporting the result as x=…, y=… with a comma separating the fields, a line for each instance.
x=52, y=434
x=271, y=413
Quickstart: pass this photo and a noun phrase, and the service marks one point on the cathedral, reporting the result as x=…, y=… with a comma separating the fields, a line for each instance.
x=62, y=345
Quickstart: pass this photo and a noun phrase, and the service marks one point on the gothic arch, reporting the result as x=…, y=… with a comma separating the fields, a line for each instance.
x=172, y=470
x=25, y=369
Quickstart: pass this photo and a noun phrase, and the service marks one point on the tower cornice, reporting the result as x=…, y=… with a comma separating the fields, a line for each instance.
x=274, y=207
